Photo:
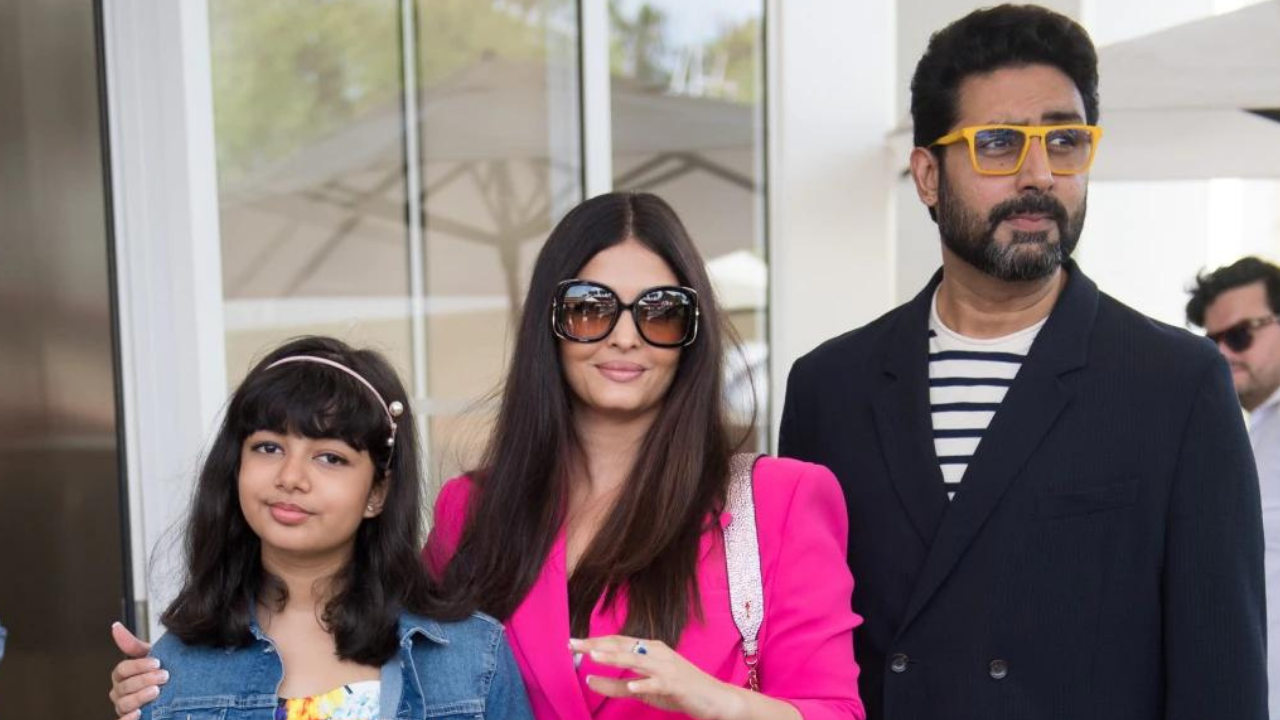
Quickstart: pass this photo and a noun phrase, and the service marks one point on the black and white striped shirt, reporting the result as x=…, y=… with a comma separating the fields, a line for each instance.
x=968, y=379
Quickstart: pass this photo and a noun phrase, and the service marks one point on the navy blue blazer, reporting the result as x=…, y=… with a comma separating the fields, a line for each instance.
x=1103, y=557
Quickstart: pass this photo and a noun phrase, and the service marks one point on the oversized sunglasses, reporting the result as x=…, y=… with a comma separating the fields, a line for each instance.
x=1239, y=337
x=584, y=311
x=1001, y=149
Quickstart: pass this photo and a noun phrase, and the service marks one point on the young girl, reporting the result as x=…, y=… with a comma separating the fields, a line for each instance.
x=304, y=597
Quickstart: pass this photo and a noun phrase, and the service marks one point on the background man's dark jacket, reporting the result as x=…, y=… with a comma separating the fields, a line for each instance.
x=1103, y=557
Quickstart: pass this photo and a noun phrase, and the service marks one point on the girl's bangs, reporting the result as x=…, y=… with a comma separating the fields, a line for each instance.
x=314, y=401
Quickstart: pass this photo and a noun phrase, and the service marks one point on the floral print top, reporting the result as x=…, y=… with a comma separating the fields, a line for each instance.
x=357, y=701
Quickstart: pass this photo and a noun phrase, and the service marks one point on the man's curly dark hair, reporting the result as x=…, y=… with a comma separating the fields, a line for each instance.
x=1245, y=271
x=991, y=39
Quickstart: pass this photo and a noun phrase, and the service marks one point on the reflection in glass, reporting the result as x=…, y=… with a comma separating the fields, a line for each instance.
x=687, y=106
x=501, y=152
x=63, y=539
x=309, y=129
x=316, y=170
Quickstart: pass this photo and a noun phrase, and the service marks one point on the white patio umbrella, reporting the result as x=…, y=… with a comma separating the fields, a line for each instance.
x=488, y=124
x=1199, y=100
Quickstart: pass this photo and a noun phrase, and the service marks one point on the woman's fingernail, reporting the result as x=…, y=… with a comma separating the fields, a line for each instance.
x=574, y=643
x=164, y=676
x=153, y=691
x=631, y=686
x=154, y=663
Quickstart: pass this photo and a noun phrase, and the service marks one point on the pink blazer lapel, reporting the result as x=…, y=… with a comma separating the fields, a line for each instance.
x=603, y=622
x=539, y=637
x=712, y=644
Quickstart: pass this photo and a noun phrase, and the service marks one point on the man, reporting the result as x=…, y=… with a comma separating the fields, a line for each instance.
x=1052, y=502
x=1237, y=306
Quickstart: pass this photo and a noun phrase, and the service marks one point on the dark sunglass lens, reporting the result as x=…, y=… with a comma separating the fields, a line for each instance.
x=665, y=316
x=1238, y=338
x=586, y=312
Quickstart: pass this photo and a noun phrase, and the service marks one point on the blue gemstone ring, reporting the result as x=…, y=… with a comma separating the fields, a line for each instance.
x=640, y=648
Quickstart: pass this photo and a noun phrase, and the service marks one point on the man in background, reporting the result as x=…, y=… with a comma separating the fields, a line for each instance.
x=1237, y=306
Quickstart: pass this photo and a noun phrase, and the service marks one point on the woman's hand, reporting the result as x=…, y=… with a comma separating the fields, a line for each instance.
x=669, y=682
x=137, y=681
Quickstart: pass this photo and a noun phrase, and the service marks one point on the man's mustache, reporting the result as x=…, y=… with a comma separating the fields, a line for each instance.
x=1030, y=204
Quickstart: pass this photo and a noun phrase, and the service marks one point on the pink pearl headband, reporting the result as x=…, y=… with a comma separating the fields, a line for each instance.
x=394, y=409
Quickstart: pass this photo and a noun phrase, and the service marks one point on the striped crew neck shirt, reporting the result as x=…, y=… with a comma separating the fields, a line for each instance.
x=968, y=379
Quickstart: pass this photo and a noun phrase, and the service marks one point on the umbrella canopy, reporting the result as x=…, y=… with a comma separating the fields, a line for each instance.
x=489, y=180
x=1198, y=100
x=1225, y=61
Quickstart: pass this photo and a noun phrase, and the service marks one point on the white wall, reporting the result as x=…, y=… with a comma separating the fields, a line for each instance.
x=831, y=231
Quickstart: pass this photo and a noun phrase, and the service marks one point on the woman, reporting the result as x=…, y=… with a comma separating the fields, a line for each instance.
x=594, y=526
x=303, y=597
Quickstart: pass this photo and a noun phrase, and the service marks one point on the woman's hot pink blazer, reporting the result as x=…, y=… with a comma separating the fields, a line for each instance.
x=806, y=638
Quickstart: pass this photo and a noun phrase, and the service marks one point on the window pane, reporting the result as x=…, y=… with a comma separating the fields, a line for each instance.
x=501, y=152
x=688, y=124
x=309, y=131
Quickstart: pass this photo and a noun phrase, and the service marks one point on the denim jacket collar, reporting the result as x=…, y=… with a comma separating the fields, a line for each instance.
x=411, y=625
x=392, y=692
x=392, y=674
x=255, y=628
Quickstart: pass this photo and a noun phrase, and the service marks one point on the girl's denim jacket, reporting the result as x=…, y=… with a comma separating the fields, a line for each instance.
x=442, y=670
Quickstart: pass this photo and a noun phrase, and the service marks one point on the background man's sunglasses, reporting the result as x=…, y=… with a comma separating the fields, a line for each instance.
x=1239, y=337
x=584, y=311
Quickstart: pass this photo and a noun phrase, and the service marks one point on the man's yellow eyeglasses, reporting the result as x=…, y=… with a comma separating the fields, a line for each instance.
x=1000, y=149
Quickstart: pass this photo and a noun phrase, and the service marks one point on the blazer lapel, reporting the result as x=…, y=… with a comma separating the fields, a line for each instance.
x=1029, y=410
x=904, y=422
x=540, y=635
x=604, y=621
x=706, y=644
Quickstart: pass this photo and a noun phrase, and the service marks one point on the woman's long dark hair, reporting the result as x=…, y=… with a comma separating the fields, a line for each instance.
x=649, y=542
x=224, y=572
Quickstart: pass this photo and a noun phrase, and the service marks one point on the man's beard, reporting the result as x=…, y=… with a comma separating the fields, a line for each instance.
x=1028, y=255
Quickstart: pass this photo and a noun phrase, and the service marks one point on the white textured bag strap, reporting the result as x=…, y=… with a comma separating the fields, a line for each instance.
x=742, y=554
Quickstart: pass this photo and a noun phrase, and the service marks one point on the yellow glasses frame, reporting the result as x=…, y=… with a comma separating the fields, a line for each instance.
x=968, y=134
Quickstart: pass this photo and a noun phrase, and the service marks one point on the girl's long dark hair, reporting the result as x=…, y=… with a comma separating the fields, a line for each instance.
x=649, y=542
x=224, y=572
